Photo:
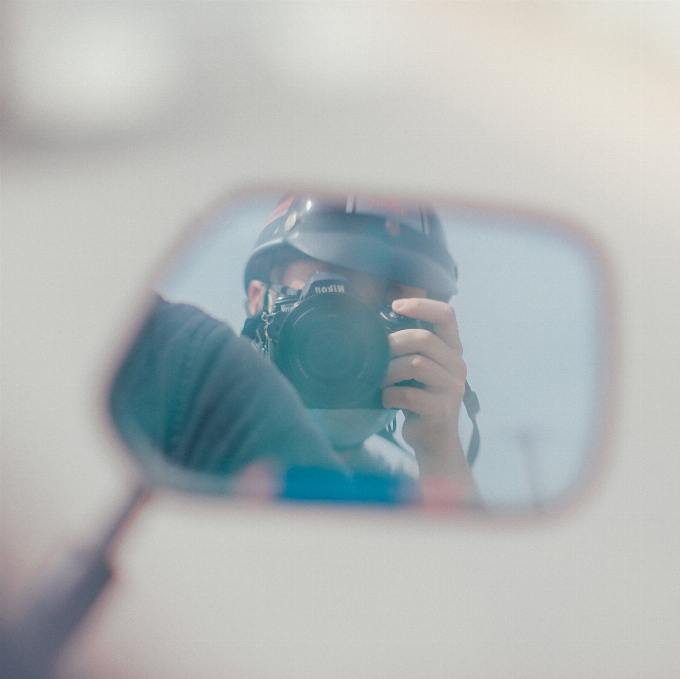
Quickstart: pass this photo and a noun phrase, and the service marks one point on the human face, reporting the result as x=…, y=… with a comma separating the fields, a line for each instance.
x=369, y=289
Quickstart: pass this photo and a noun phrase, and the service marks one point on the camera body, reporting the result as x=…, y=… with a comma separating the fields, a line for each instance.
x=330, y=345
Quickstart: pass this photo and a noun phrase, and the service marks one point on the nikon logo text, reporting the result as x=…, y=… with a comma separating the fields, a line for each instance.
x=329, y=288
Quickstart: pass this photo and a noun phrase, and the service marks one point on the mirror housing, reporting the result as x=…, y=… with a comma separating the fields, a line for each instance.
x=204, y=410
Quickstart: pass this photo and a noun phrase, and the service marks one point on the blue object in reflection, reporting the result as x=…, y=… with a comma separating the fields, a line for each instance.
x=313, y=483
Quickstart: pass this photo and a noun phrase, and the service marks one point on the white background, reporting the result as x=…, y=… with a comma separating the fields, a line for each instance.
x=121, y=122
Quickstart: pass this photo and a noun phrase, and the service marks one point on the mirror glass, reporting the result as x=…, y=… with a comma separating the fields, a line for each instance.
x=485, y=389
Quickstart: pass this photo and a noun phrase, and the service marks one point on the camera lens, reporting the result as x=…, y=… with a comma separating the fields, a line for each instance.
x=333, y=348
x=330, y=351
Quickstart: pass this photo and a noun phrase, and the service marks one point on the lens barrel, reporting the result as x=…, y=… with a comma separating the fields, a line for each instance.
x=334, y=350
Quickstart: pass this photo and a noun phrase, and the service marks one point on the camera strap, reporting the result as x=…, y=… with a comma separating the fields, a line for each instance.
x=471, y=403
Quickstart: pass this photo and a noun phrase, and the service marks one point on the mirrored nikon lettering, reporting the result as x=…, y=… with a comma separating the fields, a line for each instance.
x=330, y=288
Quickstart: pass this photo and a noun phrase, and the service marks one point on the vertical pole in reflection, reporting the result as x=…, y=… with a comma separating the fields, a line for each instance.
x=526, y=440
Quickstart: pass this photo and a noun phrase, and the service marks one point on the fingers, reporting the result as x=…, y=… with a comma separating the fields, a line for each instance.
x=428, y=372
x=433, y=359
x=440, y=397
x=427, y=404
x=440, y=314
x=423, y=342
x=410, y=399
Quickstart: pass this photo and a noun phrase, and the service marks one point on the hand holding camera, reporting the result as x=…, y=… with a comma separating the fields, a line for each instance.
x=435, y=360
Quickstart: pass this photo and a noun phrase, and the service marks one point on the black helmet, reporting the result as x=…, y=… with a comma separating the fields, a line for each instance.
x=384, y=238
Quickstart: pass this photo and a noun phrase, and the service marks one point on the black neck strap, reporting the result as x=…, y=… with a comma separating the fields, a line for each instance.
x=471, y=403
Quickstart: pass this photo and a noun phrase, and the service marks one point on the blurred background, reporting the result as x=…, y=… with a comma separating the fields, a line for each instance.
x=122, y=121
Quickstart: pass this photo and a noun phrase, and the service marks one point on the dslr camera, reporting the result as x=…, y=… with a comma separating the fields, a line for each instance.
x=332, y=346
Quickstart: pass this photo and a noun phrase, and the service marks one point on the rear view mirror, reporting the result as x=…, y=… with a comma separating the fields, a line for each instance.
x=334, y=393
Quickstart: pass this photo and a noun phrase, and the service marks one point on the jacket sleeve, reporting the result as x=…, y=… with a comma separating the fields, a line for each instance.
x=206, y=400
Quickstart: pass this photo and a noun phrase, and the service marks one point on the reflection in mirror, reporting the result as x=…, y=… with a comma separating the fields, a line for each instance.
x=348, y=381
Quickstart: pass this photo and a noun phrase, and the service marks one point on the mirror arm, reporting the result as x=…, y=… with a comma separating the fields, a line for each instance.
x=66, y=592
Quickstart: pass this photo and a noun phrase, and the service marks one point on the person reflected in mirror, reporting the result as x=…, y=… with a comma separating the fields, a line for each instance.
x=393, y=256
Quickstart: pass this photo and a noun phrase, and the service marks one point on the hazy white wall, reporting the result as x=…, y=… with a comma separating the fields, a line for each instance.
x=121, y=122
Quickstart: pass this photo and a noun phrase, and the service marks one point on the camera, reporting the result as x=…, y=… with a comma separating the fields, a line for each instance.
x=329, y=344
